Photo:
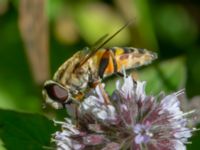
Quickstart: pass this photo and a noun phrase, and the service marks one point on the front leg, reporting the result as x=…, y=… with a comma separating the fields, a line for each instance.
x=93, y=79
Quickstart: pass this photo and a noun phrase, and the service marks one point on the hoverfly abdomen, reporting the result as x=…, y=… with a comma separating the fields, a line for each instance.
x=112, y=60
x=107, y=63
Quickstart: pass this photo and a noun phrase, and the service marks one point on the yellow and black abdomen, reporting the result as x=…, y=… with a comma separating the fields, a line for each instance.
x=113, y=60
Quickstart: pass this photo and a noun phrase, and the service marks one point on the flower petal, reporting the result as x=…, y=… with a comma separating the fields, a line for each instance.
x=93, y=139
x=112, y=146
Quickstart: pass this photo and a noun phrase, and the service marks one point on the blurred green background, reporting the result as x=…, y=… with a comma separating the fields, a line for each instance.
x=37, y=36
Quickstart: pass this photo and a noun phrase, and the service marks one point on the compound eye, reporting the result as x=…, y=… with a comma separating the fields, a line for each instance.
x=56, y=92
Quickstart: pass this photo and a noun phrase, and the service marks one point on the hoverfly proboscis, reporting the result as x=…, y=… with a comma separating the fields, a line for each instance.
x=86, y=69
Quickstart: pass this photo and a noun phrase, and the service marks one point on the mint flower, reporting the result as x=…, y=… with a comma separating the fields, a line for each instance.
x=128, y=119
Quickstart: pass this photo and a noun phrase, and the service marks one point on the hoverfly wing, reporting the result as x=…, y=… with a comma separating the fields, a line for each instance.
x=100, y=43
x=91, y=50
x=87, y=52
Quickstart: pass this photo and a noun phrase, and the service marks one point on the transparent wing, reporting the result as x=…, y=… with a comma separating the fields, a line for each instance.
x=100, y=43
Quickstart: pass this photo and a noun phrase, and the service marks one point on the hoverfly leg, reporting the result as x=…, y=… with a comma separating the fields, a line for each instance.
x=93, y=84
x=93, y=81
x=134, y=77
x=134, y=81
x=105, y=95
x=77, y=117
x=120, y=74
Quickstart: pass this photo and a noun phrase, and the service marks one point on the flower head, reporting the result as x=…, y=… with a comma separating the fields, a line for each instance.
x=128, y=119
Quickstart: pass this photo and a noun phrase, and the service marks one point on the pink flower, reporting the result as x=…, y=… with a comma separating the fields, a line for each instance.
x=132, y=120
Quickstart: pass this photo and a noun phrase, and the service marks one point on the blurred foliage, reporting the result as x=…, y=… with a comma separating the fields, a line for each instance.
x=18, y=134
x=169, y=28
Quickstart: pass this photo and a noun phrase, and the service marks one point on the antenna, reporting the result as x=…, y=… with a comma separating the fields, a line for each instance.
x=112, y=36
x=106, y=41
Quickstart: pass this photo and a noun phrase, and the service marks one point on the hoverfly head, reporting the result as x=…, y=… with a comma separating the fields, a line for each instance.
x=55, y=94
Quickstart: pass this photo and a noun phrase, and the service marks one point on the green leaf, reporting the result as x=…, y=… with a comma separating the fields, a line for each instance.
x=167, y=76
x=25, y=131
x=195, y=141
x=193, y=72
x=181, y=24
x=1, y=145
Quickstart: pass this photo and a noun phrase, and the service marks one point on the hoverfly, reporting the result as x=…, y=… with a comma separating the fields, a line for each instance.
x=86, y=69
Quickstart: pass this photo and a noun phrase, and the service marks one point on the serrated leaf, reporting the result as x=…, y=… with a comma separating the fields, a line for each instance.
x=20, y=131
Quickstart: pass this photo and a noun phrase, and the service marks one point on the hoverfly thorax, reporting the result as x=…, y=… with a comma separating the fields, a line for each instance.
x=55, y=94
